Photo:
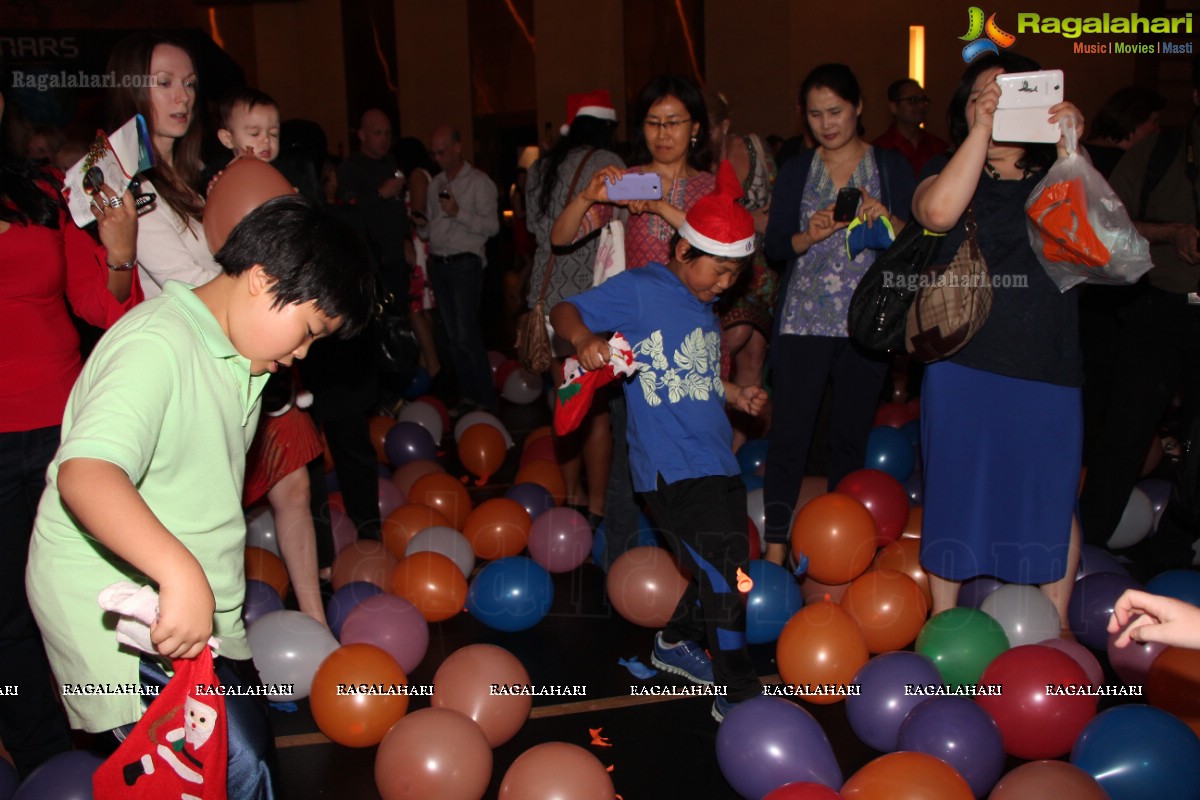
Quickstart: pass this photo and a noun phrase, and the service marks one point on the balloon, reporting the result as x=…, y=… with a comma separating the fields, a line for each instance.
x=379, y=425
x=546, y=474
x=244, y=185
x=344, y=532
x=877, y=711
x=364, y=560
x=1136, y=521
x=883, y=496
x=1136, y=752
x=424, y=415
x=66, y=776
x=407, y=521
x=1173, y=684
x=1158, y=492
x=907, y=776
x=646, y=537
x=511, y=594
x=537, y=433
x=407, y=475
x=432, y=583
x=821, y=646
x=392, y=624
x=815, y=591
x=495, y=360
x=345, y=600
x=260, y=529
x=521, y=387
x=560, y=539
x=263, y=565
x=889, y=608
x=1091, y=606
x=771, y=603
x=261, y=599
x=904, y=555
x=753, y=482
x=433, y=752
x=756, y=510
x=836, y=534
x=481, y=450
x=408, y=441
x=1083, y=657
x=464, y=683
x=912, y=429
x=889, y=450
x=960, y=733
x=1182, y=584
x=1153, y=456
x=445, y=493
x=891, y=415
x=390, y=497
x=645, y=586
x=912, y=526
x=1050, y=779
x=914, y=487
x=476, y=417
x=541, y=450
x=498, y=528
x=973, y=592
x=358, y=719
x=556, y=771
x=752, y=455
x=961, y=642
x=1094, y=559
x=419, y=383
x=9, y=780
x=1132, y=662
x=287, y=648
x=1025, y=613
x=447, y=541
x=811, y=487
x=803, y=790
x=533, y=497
x=755, y=539
x=766, y=742
x=440, y=408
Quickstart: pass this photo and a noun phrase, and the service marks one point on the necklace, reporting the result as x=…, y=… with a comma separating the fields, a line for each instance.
x=994, y=173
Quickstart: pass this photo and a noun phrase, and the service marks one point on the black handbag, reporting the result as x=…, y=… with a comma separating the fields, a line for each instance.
x=879, y=305
x=398, y=349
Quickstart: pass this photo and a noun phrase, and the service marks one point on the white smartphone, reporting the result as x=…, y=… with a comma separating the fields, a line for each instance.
x=1024, y=107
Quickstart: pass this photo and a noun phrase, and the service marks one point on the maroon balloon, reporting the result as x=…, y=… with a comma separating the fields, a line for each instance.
x=884, y=497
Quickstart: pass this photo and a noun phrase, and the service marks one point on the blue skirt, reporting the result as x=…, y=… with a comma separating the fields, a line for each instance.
x=1002, y=461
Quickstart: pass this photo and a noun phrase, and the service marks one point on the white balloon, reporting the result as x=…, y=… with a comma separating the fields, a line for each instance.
x=424, y=415
x=1136, y=522
x=522, y=387
x=260, y=529
x=447, y=542
x=287, y=647
x=1025, y=613
x=756, y=510
x=476, y=417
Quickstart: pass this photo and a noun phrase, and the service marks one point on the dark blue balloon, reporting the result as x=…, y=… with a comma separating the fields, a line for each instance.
x=771, y=603
x=8, y=780
x=1092, y=601
x=345, y=600
x=261, y=599
x=533, y=497
x=914, y=487
x=419, y=385
x=766, y=742
x=331, y=482
x=912, y=429
x=959, y=732
x=511, y=594
x=876, y=713
x=972, y=593
x=1182, y=584
x=1137, y=752
x=752, y=455
x=66, y=776
x=407, y=441
x=752, y=481
x=889, y=450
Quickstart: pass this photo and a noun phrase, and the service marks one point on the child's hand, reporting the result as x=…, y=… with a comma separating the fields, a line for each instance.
x=750, y=399
x=185, y=615
x=593, y=352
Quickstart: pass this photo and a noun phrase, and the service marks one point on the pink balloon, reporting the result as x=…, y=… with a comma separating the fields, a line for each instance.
x=464, y=683
x=392, y=624
x=560, y=539
x=344, y=533
x=1132, y=662
x=556, y=771
x=434, y=753
x=390, y=497
x=1083, y=656
x=406, y=475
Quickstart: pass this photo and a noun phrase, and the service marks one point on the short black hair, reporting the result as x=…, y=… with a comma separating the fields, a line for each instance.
x=312, y=256
x=693, y=252
x=1038, y=156
x=242, y=96
x=1124, y=111
x=896, y=87
x=838, y=78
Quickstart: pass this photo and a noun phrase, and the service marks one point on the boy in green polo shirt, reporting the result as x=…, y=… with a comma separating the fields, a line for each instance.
x=147, y=483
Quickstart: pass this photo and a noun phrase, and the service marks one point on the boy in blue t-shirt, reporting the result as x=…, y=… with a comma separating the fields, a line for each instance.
x=679, y=437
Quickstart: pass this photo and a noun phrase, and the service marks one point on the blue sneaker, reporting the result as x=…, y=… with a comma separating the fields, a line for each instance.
x=685, y=658
x=721, y=707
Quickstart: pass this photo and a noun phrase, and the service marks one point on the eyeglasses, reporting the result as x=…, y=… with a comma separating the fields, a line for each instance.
x=670, y=126
x=916, y=100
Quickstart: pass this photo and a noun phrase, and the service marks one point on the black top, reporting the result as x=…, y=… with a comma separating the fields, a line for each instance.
x=1032, y=331
x=359, y=178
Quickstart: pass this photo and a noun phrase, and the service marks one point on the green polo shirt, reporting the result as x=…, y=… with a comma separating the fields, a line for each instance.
x=167, y=398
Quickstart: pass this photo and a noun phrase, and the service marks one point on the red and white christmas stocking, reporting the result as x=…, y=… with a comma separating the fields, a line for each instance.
x=574, y=397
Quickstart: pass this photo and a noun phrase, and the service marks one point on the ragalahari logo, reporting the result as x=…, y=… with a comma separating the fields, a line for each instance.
x=996, y=40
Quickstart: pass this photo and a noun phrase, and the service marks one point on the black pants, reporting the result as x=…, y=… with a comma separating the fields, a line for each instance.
x=357, y=468
x=1159, y=350
x=703, y=521
x=802, y=364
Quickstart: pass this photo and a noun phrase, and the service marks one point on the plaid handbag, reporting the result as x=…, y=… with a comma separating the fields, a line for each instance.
x=952, y=303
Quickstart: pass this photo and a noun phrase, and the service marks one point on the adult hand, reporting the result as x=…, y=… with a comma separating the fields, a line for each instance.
x=392, y=187
x=449, y=204
x=822, y=225
x=1145, y=617
x=985, y=105
x=1067, y=112
x=1187, y=243
x=871, y=209
x=117, y=225
x=596, y=190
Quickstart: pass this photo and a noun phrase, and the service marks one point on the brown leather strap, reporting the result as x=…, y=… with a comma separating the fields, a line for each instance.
x=570, y=195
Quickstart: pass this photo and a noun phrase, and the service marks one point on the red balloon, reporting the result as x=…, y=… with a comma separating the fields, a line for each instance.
x=244, y=185
x=1035, y=723
x=504, y=370
x=884, y=497
x=540, y=450
x=755, y=541
x=893, y=415
x=803, y=791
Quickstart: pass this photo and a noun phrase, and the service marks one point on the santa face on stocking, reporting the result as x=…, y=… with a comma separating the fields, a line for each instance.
x=198, y=722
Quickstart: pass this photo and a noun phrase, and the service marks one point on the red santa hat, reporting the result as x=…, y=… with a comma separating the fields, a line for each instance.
x=596, y=104
x=718, y=224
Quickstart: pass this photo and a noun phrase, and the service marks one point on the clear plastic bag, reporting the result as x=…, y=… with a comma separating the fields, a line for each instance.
x=1079, y=228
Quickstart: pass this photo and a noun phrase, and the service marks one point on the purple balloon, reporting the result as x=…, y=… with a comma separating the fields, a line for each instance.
x=1083, y=657
x=1158, y=490
x=766, y=742
x=972, y=593
x=261, y=599
x=876, y=713
x=331, y=482
x=1092, y=601
x=344, y=533
x=1132, y=662
x=560, y=539
x=66, y=776
x=390, y=497
x=345, y=600
x=1093, y=559
x=408, y=441
x=8, y=780
x=961, y=733
x=535, y=498
x=392, y=624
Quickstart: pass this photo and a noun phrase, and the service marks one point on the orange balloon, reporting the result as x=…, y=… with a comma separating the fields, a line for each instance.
x=836, y=533
x=379, y=425
x=534, y=435
x=904, y=555
x=482, y=449
x=263, y=565
x=446, y=494
x=912, y=528
x=433, y=753
x=432, y=583
x=1052, y=779
x=815, y=591
x=363, y=560
x=556, y=771
x=820, y=650
x=889, y=608
x=464, y=683
x=545, y=474
x=357, y=719
x=909, y=776
x=645, y=585
x=406, y=474
x=1174, y=684
x=244, y=185
x=498, y=528
x=407, y=521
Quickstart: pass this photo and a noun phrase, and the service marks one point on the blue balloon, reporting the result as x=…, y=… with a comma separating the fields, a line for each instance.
x=261, y=599
x=1136, y=752
x=959, y=732
x=912, y=429
x=914, y=487
x=345, y=600
x=646, y=537
x=876, y=713
x=8, y=780
x=331, y=482
x=511, y=594
x=66, y=776
x=889, y=450
x=771, y=603
x=766, y=742
x=407, y=441
x=534, y=497
x=752, y=455
x=421, y=381
x=1182, y=584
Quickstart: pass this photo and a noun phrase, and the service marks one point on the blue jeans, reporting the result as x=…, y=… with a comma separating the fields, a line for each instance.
x=458, y=286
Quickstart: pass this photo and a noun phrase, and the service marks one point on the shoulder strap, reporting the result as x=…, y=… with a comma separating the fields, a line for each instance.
x=1156, y=167
x=570, y=194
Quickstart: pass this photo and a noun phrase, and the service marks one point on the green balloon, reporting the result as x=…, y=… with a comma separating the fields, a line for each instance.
x=961, y=642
